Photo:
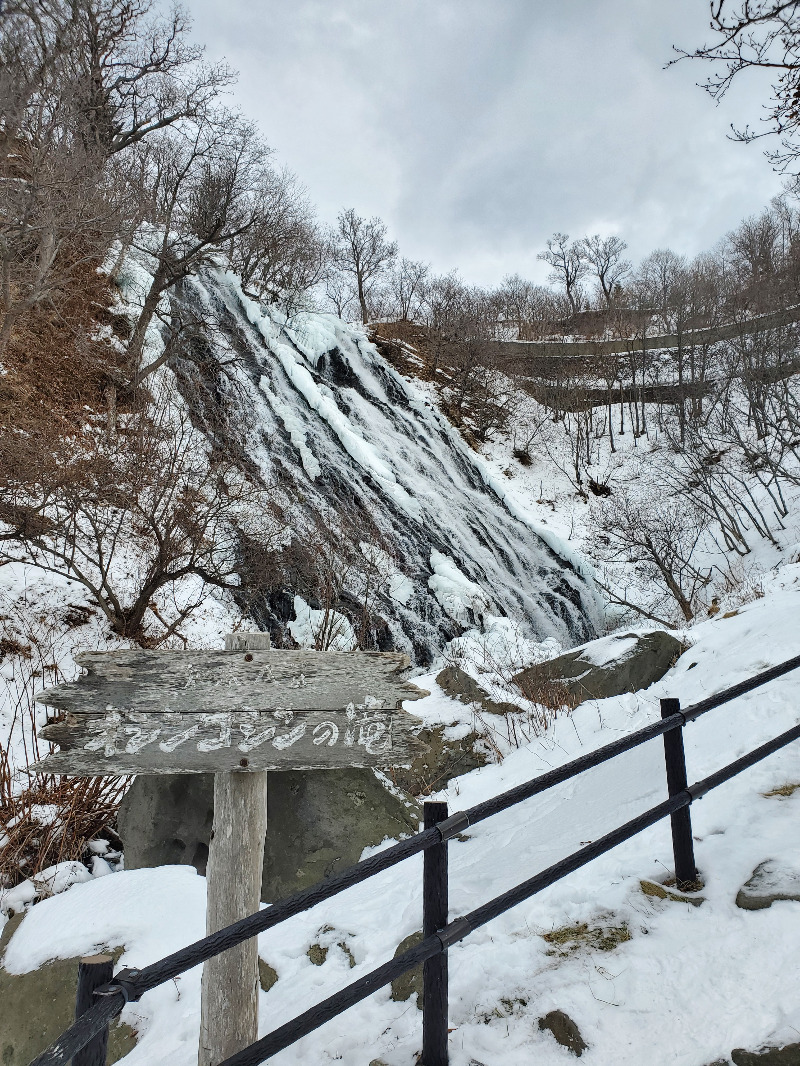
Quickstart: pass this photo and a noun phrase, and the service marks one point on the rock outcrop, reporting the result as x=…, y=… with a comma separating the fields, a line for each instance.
x=37, y=1007
x=610, y=666
x=318, y=823
x=458, y=684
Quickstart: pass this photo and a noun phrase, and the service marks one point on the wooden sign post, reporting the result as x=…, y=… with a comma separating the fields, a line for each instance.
x=229, y=989
x=236, y=714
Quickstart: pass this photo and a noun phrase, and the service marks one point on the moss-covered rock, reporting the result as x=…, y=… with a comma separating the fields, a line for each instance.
x=458, y=684
x=267, y=975
x=610, y=666
x=410, y=983
x=788, y=1055
x=36, y=1007
x=440, y=761
x=770, y=881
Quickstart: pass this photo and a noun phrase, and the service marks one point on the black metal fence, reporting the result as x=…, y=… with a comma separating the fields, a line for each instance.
x=89, y=1031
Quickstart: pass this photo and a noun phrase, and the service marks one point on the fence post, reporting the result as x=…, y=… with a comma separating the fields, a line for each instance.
x=682, y=844
x=93, y=971
x=434, y=971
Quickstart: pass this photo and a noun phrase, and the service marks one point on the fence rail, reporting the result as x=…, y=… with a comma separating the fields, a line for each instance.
x=130, y=985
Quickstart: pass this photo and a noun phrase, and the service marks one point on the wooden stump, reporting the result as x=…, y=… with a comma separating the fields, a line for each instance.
x=229, y=997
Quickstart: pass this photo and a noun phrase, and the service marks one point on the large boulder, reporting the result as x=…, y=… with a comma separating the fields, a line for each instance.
x=610, y=666
x=318, y=822
x=36, y=1007
x=439, y=762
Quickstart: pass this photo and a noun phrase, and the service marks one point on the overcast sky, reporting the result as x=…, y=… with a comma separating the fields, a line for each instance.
x=475, y=128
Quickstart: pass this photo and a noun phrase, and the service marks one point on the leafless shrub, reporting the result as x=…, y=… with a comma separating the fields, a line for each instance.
x=132, y=517
x=658, y=538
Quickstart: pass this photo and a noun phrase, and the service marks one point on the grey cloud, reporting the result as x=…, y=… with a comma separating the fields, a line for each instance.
x=477, y=127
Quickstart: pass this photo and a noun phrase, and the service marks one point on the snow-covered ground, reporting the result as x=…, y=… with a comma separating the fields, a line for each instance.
x=687, y=986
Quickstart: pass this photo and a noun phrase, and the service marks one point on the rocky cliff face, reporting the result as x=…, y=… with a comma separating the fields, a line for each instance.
x=400, y=534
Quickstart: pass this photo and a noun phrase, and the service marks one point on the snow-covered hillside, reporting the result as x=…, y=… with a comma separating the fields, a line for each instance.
x=681, y=985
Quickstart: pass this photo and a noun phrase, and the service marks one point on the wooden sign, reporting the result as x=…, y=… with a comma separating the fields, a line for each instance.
x=212, y=712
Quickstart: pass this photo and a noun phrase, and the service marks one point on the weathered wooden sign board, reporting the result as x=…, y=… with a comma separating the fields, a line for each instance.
x=217, y=711
x=234, y=713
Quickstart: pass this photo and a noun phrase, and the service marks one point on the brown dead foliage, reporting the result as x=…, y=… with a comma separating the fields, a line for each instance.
x=408, y=347
x=55, y=367
x=53, y=821
x=416, y=350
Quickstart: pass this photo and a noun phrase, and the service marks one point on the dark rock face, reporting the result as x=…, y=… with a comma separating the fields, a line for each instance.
x=788, y=1055
x=410, y=983
x=37, y=1007
x=458, y=683
x=565, y=1031
x=606, y=667
x=317, y=823
x=771, y=881
x=441, y=761
x=166, y=820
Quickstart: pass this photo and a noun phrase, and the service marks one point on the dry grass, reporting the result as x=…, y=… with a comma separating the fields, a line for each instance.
x=44, y=818
x=517, y=727
x=784, y=790
x=408, y=347
x=549, y=693
x=571, y=938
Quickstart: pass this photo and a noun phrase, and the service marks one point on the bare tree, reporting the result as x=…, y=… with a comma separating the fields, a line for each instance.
x=659, y=539
x=82, y=83
x=56, y=216
x=760, y=35
x=128, y=70
x=533, y=310
x=203, y=191
x=146, y=516
x=405, y=287
x=362, y=252
x=604, y=256
x=282, y=254
x=58, y=211
x=339, y=293
x=568, y=265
